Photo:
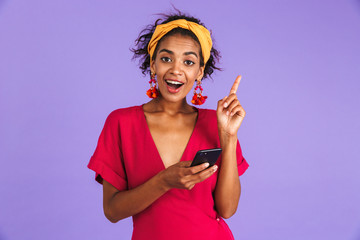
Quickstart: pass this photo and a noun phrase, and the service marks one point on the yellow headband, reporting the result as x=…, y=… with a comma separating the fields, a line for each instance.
x=200, y=32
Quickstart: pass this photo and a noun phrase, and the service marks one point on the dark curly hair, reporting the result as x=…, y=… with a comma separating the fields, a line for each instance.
x=141, y=43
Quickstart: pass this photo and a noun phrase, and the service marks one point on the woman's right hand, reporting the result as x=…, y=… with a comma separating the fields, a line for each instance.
x=181, y=175
x=123, y=204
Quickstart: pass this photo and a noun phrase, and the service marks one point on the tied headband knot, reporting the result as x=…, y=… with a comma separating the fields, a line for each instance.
x=200, y=32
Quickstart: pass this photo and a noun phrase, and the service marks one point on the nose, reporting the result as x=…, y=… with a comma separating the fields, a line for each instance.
x=176, y=68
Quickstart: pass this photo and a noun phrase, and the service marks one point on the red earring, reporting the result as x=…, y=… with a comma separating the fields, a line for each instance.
x=198, y=98
x=152, y=92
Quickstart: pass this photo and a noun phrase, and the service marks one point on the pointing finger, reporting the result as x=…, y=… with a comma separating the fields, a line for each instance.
x=235, y=86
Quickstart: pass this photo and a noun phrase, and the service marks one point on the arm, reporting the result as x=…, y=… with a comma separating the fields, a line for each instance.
x=228, y=188
x=230, y=115
x=122, y=204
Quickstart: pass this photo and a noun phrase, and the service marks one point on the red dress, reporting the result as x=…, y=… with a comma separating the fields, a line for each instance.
x=126, y=157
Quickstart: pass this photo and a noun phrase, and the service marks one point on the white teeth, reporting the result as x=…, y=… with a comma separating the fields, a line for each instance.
x=174, y=82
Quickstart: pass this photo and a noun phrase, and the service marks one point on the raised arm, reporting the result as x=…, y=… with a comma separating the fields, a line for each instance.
x=230, y=115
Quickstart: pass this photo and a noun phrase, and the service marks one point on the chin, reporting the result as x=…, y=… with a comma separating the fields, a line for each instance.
x=174, y=99
x=171, y=98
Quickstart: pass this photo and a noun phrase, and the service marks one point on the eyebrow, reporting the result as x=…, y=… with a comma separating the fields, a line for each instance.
x=171, y=52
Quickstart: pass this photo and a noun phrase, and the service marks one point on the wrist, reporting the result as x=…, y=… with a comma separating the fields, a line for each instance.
x=161, y=182
x=227, y=140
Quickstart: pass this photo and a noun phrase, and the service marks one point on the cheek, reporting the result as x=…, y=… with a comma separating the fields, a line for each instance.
x=161, y=70
x=194, y=74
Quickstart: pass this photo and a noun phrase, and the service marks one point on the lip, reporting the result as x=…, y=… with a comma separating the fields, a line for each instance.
x=175, y=80
x=172, y=90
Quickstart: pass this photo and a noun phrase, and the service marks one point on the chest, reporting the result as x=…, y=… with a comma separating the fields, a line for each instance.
x=142, y=159
x=171, y=136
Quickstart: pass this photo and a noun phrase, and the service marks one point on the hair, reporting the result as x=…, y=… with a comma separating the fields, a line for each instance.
x=141, y=43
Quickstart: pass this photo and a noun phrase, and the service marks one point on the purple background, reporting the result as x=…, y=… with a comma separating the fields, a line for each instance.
x=64, y=66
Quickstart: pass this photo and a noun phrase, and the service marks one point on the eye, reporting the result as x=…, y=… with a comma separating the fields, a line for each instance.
x=189, y=63
x=165, y=59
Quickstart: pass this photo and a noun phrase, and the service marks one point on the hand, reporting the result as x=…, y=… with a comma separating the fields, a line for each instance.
x=230, y=113
x=182, y=176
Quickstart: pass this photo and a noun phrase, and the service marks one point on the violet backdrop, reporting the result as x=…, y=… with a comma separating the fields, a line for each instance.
x=65, y=65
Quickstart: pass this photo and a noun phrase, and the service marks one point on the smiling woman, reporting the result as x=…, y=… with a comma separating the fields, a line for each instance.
x=177, y=52
x=144, y=153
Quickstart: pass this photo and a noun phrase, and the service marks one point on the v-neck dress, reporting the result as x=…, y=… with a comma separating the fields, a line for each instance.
x=126, y=157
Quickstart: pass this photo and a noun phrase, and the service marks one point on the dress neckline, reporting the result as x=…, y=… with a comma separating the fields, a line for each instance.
x=148, y=133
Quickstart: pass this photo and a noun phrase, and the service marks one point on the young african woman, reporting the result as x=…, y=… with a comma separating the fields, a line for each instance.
x=144, y=153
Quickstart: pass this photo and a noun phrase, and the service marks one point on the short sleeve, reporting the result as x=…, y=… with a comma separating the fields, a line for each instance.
x=107, y=161
x=241, y=162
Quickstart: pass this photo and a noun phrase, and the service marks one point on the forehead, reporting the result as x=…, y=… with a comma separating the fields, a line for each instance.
x=179, y=42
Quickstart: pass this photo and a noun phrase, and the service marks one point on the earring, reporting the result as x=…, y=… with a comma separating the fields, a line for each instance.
x=198, y=98
x=152, y=92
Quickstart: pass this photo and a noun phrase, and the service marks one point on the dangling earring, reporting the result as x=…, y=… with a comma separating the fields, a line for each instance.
x=198, y=98
x=152, y=92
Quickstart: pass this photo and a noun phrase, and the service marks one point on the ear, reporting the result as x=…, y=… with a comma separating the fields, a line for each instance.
x=152, y=67
x=201, y=73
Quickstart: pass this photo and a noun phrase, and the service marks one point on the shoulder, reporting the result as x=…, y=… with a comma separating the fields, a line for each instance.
x=208, y=116
x=123, y=111
x=207, y=113
x=124, y=114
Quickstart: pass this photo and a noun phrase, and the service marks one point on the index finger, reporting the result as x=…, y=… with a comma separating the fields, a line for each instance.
x=198, y=168
x=235, y=86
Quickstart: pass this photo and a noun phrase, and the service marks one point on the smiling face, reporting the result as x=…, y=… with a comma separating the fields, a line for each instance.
x=177, y=66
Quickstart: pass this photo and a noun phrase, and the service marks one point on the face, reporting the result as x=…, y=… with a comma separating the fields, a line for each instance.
x=177, y=66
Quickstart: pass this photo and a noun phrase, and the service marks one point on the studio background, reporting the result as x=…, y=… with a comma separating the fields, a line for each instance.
x=65, y=65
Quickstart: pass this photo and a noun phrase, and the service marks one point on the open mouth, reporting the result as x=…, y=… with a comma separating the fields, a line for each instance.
x=174, y=84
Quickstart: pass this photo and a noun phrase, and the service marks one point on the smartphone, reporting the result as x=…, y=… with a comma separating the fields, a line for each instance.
x=207, y=155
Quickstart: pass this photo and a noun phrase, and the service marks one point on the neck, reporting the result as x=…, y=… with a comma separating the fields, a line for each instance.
x=159, y=104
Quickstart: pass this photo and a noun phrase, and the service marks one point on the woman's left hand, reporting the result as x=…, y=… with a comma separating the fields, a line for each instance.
x=230, y=113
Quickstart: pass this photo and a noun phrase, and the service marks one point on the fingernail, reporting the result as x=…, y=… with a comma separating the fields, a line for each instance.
x=227, y=113
x=232, y=114
x=215, y=168
x=225, y=104
x=206, y=165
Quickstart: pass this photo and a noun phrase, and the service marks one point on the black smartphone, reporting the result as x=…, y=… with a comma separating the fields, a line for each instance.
x=207, y=155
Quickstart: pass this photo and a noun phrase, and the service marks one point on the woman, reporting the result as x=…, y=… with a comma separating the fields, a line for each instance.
x=144, y=153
